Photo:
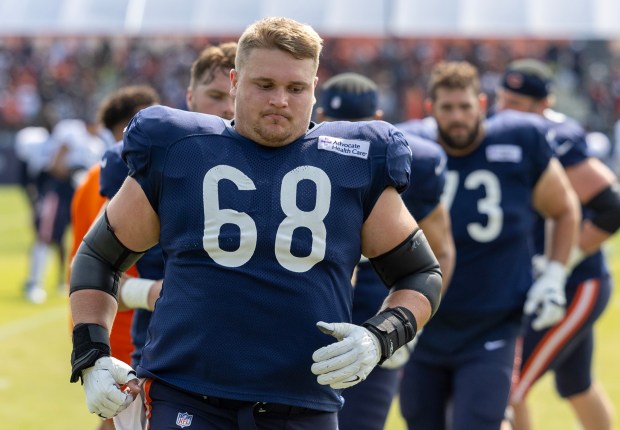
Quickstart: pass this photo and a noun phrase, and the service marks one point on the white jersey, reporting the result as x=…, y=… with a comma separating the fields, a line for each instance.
x=84, y=148
x=31, y=147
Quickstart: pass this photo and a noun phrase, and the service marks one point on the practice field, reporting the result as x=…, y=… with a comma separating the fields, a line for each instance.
x=35, y=392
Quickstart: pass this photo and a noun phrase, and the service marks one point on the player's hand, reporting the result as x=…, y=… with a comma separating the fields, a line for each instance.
x=348, y=361
x=546, y=297
x=102, y=385
x=401, y=355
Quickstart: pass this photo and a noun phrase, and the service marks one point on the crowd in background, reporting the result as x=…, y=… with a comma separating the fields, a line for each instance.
x=67, y=76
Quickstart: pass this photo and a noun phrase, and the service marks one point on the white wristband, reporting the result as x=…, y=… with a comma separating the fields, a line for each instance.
x=135, y=293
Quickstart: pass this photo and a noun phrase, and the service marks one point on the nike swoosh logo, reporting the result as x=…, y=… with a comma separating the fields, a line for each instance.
x=563, y=148
x=492, y=345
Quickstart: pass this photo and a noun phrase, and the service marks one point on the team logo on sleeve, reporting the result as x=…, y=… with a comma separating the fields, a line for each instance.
x=184, y=419
x=506, y=153
x=349, y=147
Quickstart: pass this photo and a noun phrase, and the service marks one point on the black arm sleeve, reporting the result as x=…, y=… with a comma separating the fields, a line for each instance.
x=606, y=208
x=411, y=266
x=100, y=260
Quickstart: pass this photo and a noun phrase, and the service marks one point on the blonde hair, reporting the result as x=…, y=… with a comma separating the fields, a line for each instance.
x=299, y=40
x=453, y=75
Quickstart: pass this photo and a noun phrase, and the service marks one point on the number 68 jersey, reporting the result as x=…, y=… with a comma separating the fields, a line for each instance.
x=259, y=244
x=489, y=194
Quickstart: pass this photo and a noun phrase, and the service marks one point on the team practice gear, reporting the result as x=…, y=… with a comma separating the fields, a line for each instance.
x=348, y=361
x=102, y=258
x=401, y=355
x=546, y=297
x=102, y=385
x=411, y=265
x=359, y=349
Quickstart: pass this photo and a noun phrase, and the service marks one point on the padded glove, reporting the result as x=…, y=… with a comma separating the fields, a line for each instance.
x=347, y=362
x=102, y=385
x=546, y=297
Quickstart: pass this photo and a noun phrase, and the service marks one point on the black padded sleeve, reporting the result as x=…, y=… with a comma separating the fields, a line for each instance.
x=411, y=266
x=100, y=260
x=606, y=208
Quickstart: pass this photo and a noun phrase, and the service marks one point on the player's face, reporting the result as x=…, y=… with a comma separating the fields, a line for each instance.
x=214, y=97
x=506, y=99
x=458, y=113
x=274, y=96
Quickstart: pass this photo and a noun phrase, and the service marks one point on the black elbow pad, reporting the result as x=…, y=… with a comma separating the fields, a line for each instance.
x=412, y=265
x=100, y=260
x=606, y=208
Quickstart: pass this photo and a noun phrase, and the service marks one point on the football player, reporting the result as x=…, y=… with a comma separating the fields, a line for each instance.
x=261, y=222
x=567, y=347
x=74, y=146
x=500, y=171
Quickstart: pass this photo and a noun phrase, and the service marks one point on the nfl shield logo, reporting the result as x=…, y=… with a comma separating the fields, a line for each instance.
x=184, y=419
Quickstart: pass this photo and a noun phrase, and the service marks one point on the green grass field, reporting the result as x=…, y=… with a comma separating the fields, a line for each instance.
x=35, y=392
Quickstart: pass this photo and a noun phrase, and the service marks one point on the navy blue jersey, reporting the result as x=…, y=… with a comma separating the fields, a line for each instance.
x=489, y=193
x=151, y=265
x=428, y=176
x=113, y=171
x=259, y=244
x=425, y=128
x=568, y=140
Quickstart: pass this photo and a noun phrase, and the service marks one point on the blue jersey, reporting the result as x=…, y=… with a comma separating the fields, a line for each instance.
x=428, y=176
x=259, y=244
x=113, y=171
x=489, y=193
x=569, y=145
x=425, y=128
x=151, y=265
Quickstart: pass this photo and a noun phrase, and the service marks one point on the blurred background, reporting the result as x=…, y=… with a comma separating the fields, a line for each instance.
x=60, y=58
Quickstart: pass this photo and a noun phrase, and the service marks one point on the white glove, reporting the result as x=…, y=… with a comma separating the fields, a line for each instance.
x=546, y=297
x=102, y=384
x=400, y=357
x=539, y=265
x=345, y=363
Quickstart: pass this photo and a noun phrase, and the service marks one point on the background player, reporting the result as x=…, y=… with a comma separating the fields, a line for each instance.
x=567, y=348
x=353, y=97
x=499, y=172
x=74, y=146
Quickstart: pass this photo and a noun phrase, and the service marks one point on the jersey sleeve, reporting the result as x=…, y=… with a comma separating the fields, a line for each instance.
x=113, y=171
x=143, y=157
x=570, y=146
x=391, y=167
x=428, y=177
x=398, y=161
